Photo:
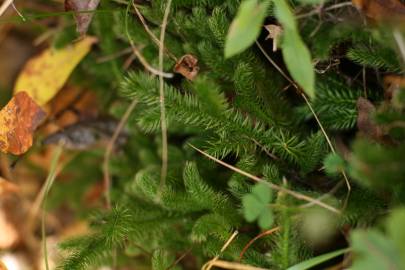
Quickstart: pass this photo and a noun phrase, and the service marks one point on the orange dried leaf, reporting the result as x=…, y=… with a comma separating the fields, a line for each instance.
x=44, y=75
x=18, y=121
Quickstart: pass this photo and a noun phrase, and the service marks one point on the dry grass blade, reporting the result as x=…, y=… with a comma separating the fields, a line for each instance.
x=110, y=148
x=212, y=262
x=151, y=34
x=163, y=172
x=234, y=266
x=53, y=171
x=271, y=185
x=138, y=54
x=5, y=5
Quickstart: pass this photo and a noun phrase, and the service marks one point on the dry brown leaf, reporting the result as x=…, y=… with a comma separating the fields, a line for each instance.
x=187, y=66
x=18, y=121
x=365, y=123
x=382, y=10
x=83, y=20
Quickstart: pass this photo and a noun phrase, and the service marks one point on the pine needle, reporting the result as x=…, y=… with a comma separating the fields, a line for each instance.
x=271, y=185
x=310, y=107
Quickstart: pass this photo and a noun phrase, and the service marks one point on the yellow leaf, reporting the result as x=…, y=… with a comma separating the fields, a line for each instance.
x=44, y=75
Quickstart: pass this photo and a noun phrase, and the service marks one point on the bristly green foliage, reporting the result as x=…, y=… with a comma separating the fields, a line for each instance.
x=381, y=58
x=241, y=110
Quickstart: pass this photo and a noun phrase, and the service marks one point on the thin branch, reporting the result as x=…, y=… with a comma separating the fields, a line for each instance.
x=268, y=232
x=18, y=12
x=110, y=148
x=138, y=54
x=318, y=10
x=5, y=6
x=163, y=173
x=271, y=185
x=151, y=34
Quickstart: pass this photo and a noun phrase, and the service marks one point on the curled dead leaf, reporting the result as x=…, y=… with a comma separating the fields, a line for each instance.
x=18, y=121
x=187, y=66
x=275, y=31
x=83, y=19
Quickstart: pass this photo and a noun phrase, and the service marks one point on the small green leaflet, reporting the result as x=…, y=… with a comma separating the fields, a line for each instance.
x=256, y=206
x=334, y=163
x=295, y=53
x=246, y=26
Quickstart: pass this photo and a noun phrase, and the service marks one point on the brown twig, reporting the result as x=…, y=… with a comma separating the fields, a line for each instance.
x=268, y=232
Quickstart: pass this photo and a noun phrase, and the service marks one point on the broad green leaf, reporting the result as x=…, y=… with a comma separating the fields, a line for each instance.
x=246, y=26
x=298, y=61
x=295, y=53
x=265, y=219
x=262, y=192
x=373, y=251
x=252, y=207
x=284, y=15
x=318, y=260
x=395, y=228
